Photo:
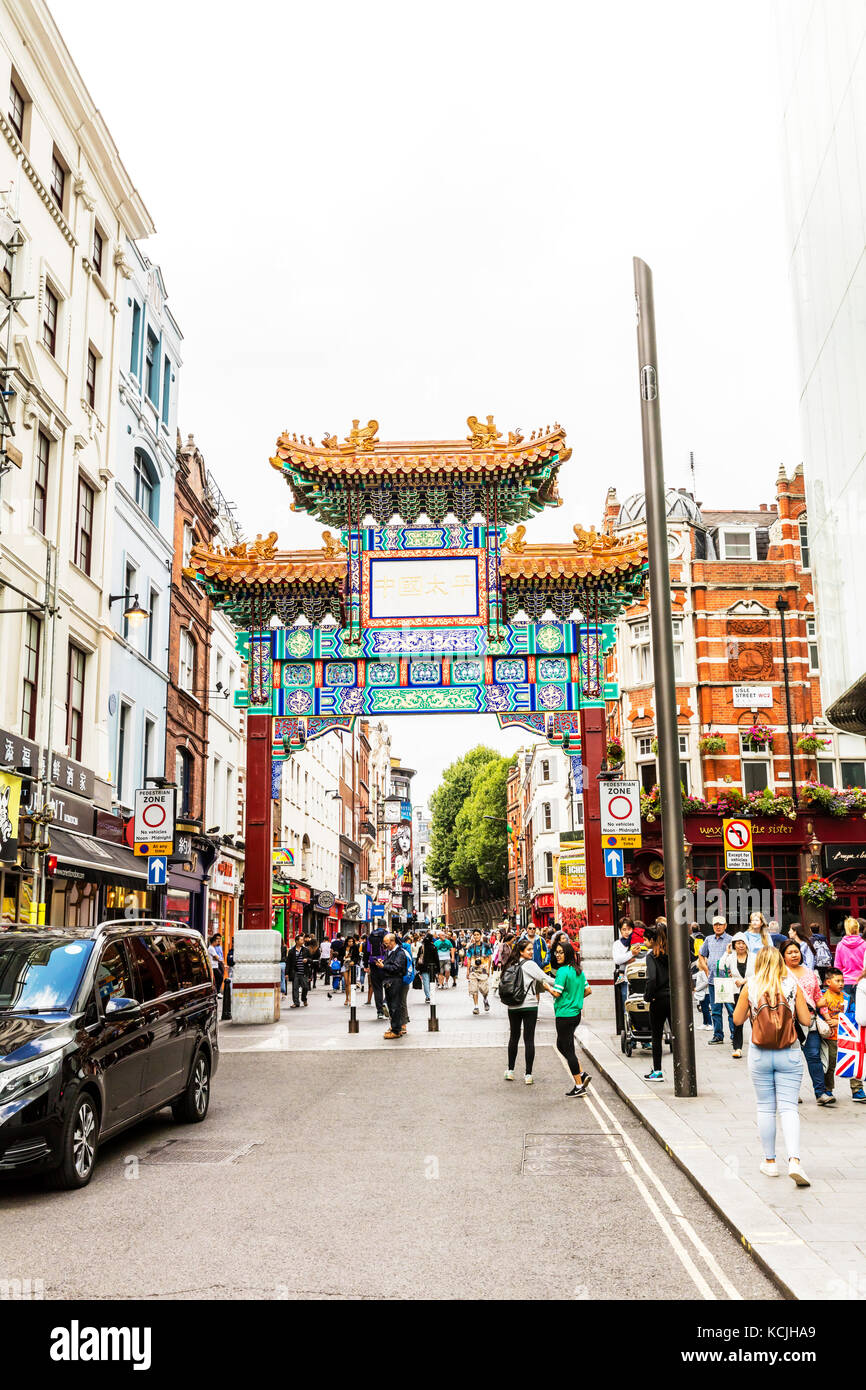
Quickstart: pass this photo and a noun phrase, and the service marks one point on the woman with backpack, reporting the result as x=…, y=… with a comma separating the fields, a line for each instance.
x=568, y=1006
x=772, y=1000
x=520, y=975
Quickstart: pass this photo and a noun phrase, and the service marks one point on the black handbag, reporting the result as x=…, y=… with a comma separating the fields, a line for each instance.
x=417, y=983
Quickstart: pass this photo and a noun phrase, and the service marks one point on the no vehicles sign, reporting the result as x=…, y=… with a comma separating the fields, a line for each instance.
x=737, y=837
x=153, y=826
x=620, y=808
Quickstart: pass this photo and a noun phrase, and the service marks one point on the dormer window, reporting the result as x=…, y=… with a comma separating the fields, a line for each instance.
x=737, y=545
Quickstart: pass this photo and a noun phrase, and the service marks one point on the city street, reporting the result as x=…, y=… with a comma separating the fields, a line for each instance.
x=379, y=1175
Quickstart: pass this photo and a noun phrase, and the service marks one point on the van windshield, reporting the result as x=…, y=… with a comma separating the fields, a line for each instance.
x=40, y=975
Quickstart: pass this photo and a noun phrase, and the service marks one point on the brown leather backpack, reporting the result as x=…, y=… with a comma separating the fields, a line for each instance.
x=772, y=1023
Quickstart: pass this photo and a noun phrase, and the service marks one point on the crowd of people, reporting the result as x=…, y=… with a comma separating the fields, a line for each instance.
x=389, y=963
x=791, y=987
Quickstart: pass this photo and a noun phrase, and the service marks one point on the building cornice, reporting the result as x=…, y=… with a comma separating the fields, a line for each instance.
x=49, y=54
x=44, y=196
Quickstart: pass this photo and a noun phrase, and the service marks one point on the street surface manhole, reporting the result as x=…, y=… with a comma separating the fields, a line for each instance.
x=595, y=1151
x=197, y=1151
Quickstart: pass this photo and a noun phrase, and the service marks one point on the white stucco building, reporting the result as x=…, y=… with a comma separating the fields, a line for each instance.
x=70, y=211
x=148, y=384
x=310, y=809
x=552, y=805
x=823, y=89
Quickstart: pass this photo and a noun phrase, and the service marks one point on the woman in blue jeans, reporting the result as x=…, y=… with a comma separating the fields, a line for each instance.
x=776, y=1070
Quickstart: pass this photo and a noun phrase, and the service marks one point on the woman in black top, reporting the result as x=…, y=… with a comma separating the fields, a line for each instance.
x=658, y=993
x=351, y=959
x=428, y=963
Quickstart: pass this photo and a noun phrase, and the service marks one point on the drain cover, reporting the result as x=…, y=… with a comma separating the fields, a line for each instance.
x=596, y=1151
x=197, y=1151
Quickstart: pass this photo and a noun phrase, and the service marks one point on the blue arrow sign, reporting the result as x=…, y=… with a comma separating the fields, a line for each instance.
x=156, y=870
x=614, y=862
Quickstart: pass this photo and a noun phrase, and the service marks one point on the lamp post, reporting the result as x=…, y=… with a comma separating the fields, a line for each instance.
x=682, y=1015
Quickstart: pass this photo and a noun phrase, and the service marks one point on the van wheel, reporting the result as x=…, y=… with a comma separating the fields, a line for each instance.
x=78, y=1146
x=192, y=1107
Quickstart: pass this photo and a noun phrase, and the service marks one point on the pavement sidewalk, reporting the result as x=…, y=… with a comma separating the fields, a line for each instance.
x=811, y=1241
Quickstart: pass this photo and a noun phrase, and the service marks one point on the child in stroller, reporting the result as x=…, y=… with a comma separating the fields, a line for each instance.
x=636, y=1027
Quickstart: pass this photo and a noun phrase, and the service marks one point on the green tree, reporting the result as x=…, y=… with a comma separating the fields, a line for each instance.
x=466, y=849
x=445, y=804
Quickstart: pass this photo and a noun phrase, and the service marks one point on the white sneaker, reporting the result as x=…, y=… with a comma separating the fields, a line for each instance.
x=528, y=1080
x=796, y=1172
x=509, y=1076
x=769, y=1168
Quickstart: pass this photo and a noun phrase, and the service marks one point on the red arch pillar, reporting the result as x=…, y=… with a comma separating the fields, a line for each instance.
x=597, y=936
x=258, y=827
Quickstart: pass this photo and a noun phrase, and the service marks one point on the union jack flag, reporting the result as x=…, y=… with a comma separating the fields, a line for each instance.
x=851, y=1054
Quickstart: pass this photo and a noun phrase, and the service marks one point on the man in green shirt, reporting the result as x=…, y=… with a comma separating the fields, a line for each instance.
x=445, y=952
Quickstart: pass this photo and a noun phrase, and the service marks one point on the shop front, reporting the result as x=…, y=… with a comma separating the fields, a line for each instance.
x=323, y=924
x=542, y=910
x=225, y=887
x=844, y=864
x=96, y=880
x=772, y=885
x=73, y=791
x=292, y=908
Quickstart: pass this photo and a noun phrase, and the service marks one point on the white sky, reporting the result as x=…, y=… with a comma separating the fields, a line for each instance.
x=417, y=213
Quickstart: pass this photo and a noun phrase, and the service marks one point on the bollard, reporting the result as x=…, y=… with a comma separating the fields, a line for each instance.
x=432, y=1022
x=227, y=1001
x=354, y=1026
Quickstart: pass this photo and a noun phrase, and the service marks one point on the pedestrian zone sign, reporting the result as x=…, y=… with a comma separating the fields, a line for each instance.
x=153, y=823
x=620, y=811
x=737, y=836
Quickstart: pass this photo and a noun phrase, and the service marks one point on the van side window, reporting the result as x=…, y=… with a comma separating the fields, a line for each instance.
x=151, y=976
x=163, y=949
x=113, y=977
x=192, y=968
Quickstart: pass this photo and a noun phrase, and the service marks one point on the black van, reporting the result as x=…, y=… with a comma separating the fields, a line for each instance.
x=98, y=1028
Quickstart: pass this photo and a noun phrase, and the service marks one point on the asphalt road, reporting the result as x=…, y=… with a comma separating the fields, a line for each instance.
x=377, y=1175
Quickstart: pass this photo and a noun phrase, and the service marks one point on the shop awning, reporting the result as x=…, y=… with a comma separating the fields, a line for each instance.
x=86, y=852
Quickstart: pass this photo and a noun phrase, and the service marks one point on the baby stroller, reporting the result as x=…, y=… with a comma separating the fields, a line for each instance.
x=636, y=1026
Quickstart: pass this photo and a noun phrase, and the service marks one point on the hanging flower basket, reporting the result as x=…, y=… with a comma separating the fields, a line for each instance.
x=655, y=745
x=712, y=743
x=810, y=743
x=623, y=890
x=615, y=751
x=758, y=736
x=818, y=891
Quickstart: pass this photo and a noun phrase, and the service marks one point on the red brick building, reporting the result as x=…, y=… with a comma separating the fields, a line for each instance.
x=187, y=694
x=746, y=662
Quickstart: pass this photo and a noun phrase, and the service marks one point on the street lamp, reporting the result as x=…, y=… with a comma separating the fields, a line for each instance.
x=133, y=613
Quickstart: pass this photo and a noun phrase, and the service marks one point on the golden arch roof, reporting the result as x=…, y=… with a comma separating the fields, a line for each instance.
x=521, y=471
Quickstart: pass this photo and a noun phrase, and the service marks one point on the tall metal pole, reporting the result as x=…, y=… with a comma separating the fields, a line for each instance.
x=682, y=1013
